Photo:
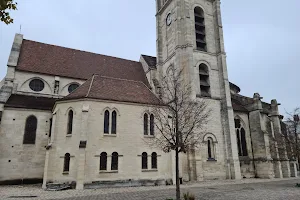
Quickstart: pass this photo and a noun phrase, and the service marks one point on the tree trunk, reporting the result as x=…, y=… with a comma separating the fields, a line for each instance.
x=177, y=175
x=297, y=149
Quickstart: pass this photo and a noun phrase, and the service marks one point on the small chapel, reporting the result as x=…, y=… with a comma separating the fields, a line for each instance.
x=71, y=116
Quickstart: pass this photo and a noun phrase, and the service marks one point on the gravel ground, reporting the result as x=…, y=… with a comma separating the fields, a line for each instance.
x=276, y=189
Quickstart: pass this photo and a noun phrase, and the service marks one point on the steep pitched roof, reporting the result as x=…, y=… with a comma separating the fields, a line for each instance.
x=30, y=102
x=150, y=60
x=114, y=89
x=60, y=61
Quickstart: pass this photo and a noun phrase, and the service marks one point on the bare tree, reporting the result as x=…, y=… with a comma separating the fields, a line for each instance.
x=293, y=131
x=180, y=120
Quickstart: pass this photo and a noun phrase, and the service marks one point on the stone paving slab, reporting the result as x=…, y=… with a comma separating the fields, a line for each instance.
x=226, y=189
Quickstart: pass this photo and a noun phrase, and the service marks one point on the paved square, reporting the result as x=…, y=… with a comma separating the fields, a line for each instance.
x=209, y=190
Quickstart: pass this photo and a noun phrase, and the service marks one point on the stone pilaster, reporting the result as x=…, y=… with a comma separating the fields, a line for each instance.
x=293, y=168
x=80, y=169
x=81, y=161
x=260, y=140
x=48, y=149
x=281, y=145
x=45, y=178
x=233, y=163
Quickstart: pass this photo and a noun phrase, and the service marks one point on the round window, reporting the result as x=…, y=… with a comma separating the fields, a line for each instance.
x=36, y=85
x=73, y=87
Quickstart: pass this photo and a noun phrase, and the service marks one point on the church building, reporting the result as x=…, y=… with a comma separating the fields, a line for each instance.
x=70, y=116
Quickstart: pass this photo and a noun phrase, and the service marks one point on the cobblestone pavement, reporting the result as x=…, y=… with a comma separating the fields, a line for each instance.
x=249, y=189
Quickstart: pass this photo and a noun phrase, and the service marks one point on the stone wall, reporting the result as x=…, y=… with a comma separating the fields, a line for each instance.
x=129, y=142
x=22, y=79
x=17, y=160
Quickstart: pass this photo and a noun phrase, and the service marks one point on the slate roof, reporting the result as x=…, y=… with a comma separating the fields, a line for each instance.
x=150, y=60
x=237, y=105
x=30, y=102
x=60, y=61
x=240, y=102
x=114, y=89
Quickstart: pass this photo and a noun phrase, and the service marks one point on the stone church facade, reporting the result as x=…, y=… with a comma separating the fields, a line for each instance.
x=74, y=116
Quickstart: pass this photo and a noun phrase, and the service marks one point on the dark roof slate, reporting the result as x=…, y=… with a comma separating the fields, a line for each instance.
x=237, y=105
x=113, y=89
x=60, y=61
x=150, y=60
x=30, y=102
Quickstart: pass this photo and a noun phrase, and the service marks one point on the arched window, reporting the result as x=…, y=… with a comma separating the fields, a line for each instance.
x=114, y=123
x=145, y=124
x=204, y=80
x=200, y=29
x=67, y=162
x=103, y=161
x=70, y=122
x=114, y=161
x=210, y=148
x=151, y=124
x=106, y=122
x=241, y=138
x=30, y=130
x=144, y=160
x=154, y=160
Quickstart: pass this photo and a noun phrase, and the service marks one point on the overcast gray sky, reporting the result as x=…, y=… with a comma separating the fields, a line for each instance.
x=262, y=37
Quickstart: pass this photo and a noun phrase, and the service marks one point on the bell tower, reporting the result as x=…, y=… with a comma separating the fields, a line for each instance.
x=190, y=37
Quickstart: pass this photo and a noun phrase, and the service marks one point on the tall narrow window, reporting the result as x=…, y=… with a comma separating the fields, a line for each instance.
x=114, y=123
x=30, y=130
x=154, y=160
x=204, y=80
x=243, y=142
x=241, y=138
x=106, y=122
x=200, y=29
x=70, y=122
x=103, y=161
x=50, y=128
x=67, y=162
x=145, y=124
x=209, y=149
x=151, y=124
x=114, y=161
x=144, y=160
x=238, y=142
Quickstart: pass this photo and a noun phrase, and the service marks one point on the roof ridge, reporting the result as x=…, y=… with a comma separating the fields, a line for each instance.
x=82, y=51
x=90, y=87
x=122, y=79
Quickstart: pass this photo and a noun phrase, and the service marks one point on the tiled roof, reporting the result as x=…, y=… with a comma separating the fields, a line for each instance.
x=237, y=105
x=150, y=60
x=114, y=89
x=240, y=102
x=60, y=61
x=30, y=102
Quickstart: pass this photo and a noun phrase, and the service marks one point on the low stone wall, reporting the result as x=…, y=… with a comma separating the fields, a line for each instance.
x=127, y=183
